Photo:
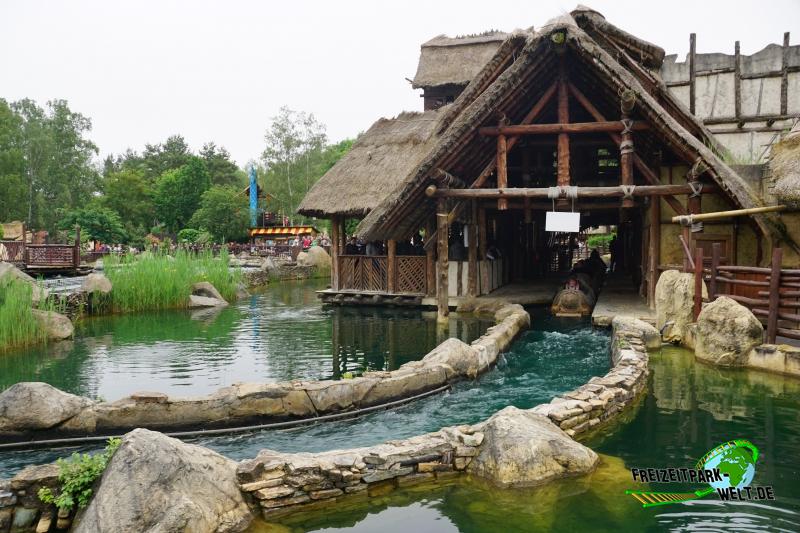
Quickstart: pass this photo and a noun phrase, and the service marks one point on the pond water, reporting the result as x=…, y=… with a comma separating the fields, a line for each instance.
x=279, y=334
x=690, y=408
x=556, y=355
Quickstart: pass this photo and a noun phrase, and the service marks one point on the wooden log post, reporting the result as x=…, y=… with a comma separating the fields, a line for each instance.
x=442, y=287
x=774, y=295
x=562, y=165
x=335, y=251
x=76, y=252
x=626, y=148
x=692, y=70
x=502, y=170
x=391, y=266
x=655, y=248
x=698, y=281
x=430, y=258
x=472, y=253
x=712, y=281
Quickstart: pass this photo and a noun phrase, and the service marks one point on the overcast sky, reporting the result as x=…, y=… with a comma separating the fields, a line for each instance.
x=218, y=70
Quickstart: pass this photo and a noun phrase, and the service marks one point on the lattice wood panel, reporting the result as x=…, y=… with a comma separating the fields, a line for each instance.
x=411, y=274
x=11, y=251
x=363, y=273
x=51, y=255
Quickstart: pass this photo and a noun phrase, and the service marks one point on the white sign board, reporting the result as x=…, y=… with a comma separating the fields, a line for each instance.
x=563, y=221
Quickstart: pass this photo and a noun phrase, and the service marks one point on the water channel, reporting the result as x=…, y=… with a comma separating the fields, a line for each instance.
x=285, y=334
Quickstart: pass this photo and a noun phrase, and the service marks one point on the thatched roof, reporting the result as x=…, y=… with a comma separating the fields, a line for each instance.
x=597, y=52
x=379, y=160
x=455, y=61
x=784, y=168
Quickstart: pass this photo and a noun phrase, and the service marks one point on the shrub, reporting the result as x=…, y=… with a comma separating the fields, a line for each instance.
x=599, y=241
x=153, y=281
x=18, y=327
x=76, y=477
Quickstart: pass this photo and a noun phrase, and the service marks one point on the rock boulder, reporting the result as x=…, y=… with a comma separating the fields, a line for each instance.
x=34, y=405
x=318, y=257
x=206, y=289
x=463, y=359
x=58, y=326
x=524, y=449
x=38, y=292
x=96, y=283
x=726, y=333
x=160, y=484
x=675, y=304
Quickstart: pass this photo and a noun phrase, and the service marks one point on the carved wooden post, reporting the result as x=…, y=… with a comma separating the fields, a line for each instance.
x=335, y=242
x=472, y=272
x=442, y=288
x=774, y=295
x=502, y=170
x=391, y=265
x=563, y=178
x=698, y=281
x=626, y=147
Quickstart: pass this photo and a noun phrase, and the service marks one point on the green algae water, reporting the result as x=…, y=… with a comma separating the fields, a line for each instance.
x=689, y=409
x=279, y=334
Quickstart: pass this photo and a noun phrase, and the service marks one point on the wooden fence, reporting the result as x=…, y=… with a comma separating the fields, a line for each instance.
x=771, y=293
x=408, y=274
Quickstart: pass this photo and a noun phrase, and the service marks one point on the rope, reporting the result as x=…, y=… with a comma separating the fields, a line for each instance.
x=72, y=441
x=626, y=147
x=696, y=187
x=553, y=192
x=698, y=168
x=627, y=191
x=627, y=100
x=628, y=123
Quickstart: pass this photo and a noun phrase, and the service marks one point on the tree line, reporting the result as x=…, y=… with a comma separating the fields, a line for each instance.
x=51, y=178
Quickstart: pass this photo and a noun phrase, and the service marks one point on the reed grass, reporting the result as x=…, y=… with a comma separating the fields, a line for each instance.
x=153, y=280
x=18, y=327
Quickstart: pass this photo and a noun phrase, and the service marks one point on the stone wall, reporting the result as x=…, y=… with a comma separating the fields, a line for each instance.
x=63, y=414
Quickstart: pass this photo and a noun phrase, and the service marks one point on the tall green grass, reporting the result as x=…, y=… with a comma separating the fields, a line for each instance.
x=18, y=327
x=153, y=281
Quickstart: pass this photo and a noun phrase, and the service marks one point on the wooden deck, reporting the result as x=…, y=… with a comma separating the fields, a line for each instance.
x=619, y=297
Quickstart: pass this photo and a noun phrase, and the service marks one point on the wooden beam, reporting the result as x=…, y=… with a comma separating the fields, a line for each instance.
x=785, y=75
x=482, y=244
x=692, y=70
x=502, y=169
x=472, y=252
x=442, y=287
x=638, y=162
x=582, y=192
x=562, y=128
x=391, y=265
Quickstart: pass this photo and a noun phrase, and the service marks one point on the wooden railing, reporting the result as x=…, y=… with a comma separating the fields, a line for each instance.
x=771, y=293
x=12, y=251
x=43, y=256
x=371, y=274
